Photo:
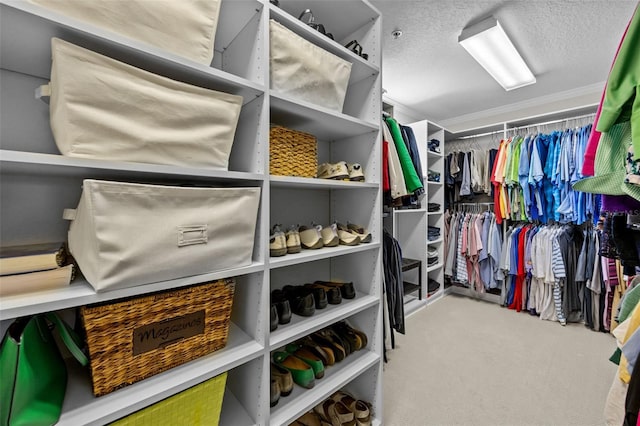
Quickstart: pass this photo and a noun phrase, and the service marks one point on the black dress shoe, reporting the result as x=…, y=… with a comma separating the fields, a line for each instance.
x=347, y=289
x=301, y=300
x=283, y=306
x=319, y=296
x=334, y=297
x=274, y=317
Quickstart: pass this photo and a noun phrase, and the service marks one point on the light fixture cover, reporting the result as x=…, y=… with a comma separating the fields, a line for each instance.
x=490, y=46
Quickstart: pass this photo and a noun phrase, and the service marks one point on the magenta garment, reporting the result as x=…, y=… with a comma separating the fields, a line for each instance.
x=588, y=167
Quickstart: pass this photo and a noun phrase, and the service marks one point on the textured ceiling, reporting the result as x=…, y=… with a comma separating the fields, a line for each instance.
x=569, y=46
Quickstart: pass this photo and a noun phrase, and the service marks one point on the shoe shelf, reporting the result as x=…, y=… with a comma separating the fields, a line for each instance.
x=410, y=287
x=324, y=253
x=81, y=293
x=323, y=123
x=26, y=31
x=303, y=326
x=82, y=408
x=315, y=183
x=335, y=377
x=54, y=164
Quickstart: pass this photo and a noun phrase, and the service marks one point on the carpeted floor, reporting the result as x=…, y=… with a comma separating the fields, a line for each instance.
x=468, y=362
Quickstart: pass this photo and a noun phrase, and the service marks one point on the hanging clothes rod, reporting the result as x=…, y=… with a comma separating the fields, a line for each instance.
x=546, y=123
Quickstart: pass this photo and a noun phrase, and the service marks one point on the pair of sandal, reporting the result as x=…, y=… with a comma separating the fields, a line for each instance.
x=343, y=409
x=307, y=17
x=356, y=48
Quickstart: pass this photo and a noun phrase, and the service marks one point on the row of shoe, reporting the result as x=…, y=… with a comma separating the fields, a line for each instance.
x=304, y=299
x=298, y=237
x=341, y=171
x=340, y=409
x=304, y=361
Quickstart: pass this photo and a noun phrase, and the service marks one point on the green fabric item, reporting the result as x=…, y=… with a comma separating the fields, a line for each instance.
x=34, y=375
x=629, y=303
x=622, y=95
x=408, y=170
x=615, y=357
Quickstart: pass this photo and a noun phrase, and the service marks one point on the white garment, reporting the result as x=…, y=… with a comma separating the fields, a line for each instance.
x=396, y=178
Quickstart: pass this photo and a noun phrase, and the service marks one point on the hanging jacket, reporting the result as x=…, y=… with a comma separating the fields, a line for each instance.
x=408, y=170
x=410, y=141
x=396, y=177
x=392, y=265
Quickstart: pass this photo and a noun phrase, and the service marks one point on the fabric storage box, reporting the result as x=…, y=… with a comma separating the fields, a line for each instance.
x=134, y=339
x=186, y=28
x=127, y=234
x=105, y=109
x=305, y=71
x=199, y=405
x=292, y=153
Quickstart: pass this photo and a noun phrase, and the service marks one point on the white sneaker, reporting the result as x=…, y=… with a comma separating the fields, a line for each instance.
x=356, y=174
x=311, y=237
x=277, y=242
x=330, y=235
x=293, y=240
x=338, y=171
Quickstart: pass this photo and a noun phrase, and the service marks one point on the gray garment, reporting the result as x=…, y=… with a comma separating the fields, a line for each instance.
x=465, y=187
x=582, y=259
x=451, y=248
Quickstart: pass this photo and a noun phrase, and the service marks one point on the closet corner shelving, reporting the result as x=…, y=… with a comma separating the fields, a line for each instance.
x=410, y=227
x=37, y=183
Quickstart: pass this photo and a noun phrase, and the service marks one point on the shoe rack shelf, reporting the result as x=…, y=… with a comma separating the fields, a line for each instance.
x=302, y=326
x=37, y=183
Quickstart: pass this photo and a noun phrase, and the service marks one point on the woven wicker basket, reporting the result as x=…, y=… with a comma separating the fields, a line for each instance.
x=134, y=339
x=292, y=153
x=199, y=405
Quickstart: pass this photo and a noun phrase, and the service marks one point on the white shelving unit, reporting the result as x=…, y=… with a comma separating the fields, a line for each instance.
x=410, y=227
x=37, y=183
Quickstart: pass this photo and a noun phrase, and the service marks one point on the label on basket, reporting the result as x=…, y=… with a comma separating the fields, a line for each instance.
x=163, y=333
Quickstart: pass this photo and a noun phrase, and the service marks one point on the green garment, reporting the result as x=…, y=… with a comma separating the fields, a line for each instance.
x=408, y=169
x=622, y=95
x=628, y=304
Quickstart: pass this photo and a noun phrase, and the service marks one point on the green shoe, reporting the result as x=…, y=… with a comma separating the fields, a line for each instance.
x=307, y=356
x=301, y=372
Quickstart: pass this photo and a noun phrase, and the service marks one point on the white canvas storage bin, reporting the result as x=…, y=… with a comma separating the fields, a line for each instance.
x=305, y=71
x=104, y=109
x=126, y=234
x=186, y=27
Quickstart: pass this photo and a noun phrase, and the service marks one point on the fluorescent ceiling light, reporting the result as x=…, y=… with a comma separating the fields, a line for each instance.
x=487, y=42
